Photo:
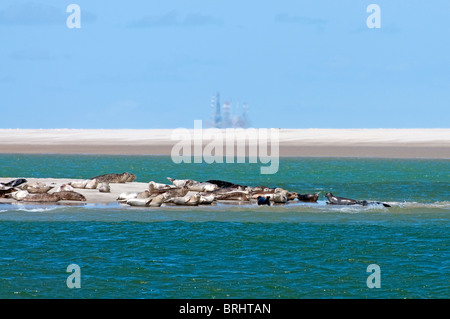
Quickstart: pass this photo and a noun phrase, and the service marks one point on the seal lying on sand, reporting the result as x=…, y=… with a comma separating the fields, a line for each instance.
x=202, y=187
x=308, y=197
x=86, y=184
x=155, y=201
x=193, y=200
x=70, y=195
x=182, y=182
x=220, y=184
x=44, y=197
x=64, y=188
x=36, y=188
x=104, y=188
x=159, y=187
x=4, y=192
x=125, y=177
x=14, y=183
x=234, y=195
x=123, y=197
x=234, y=188
x=334, y=200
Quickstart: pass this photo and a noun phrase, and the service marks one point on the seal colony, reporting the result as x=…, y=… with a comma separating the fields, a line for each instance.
x=123, y=189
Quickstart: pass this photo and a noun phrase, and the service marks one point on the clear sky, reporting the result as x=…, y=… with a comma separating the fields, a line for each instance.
x=156, y=64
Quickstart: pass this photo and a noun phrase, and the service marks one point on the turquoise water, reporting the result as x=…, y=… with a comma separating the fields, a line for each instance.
x=293, y=251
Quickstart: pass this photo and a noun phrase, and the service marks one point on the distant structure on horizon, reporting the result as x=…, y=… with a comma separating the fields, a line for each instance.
x=222, y=116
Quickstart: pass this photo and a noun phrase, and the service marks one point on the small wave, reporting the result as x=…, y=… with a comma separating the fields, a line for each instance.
x=444, y=205
x=36, y=210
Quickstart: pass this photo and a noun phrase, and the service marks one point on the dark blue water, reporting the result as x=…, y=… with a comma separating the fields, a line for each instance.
x=292, y=251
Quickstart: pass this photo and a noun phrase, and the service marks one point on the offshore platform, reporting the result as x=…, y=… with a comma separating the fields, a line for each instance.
x=224, y=116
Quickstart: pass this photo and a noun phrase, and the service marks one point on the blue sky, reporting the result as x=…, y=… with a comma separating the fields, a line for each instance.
x=156, y=64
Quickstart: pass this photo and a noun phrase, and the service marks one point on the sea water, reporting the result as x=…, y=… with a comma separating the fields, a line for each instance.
x=298, y=250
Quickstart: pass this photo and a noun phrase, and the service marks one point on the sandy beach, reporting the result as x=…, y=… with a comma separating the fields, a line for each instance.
x=381, y=143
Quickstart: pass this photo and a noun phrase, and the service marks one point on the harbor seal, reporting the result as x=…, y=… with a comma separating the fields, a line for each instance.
x=308, y=197
x=91, y=184
x=234, y=188
x=36, y=188
x=104, y=188
x=139, y=202
x=202, y=187
x=123, y=197
x=334, y=200
x=235, y=195
x=182, y=182
x=42, y=197
x=5, y=192
x=279, y=198
x=70, y=195
x=85, y=184
x=193, y=200
x=263, y=201
x=207, y=199
x=79, y=184
x=159, y=187
x=158, y=200
x=220, y=184
x=19, y=195
x=64, y=188
x=125, y=177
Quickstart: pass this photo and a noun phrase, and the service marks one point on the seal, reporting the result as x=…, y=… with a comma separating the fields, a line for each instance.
x=91, y=184
x=280, y=198
x=334, y=200
x=104, y=188
x=19, y=195
x=70, y=195
x=125, y=177
x=36, y=188
x=159, y=187
x=64, y=188
x=193, y=200
x=78, y=184
x=158, y=200
x=182, y=182
x=139, y=202
x=14, y=183
x=123, y=197
x=308, y=197
x=85, y=184
x=234, y=188
x=234, y=195
x=43, y=197
x=263, y=201
x=5, y=192
x=220, y=183
x=207, y=199
x=202, y=187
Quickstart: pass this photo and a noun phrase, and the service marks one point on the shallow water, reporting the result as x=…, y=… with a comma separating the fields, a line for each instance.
x=299, y=250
